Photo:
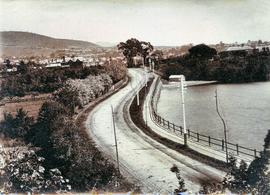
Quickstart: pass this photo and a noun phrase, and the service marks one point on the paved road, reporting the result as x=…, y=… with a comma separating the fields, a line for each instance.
x=142, y=159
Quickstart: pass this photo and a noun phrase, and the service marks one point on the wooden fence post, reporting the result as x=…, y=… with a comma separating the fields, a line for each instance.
x=222, y=144
x=188, y=133
x=255, y=153
x=209, y=140
x=237, y=149
x=181, y=130
x=198, y=137
x=173, y=127
x=168, y=124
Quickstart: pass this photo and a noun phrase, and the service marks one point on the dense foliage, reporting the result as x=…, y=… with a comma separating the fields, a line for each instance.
x=84, y=90
x=17, y=126
x=133, y=47
x=254, y=178
x=202, y=64
x=62, y=155
x=42, y=80
x=66, y=148
x=116, y=70
x=202, y=51
x=24, y=172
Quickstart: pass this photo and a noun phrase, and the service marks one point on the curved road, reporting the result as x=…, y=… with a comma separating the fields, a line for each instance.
x=142, y=160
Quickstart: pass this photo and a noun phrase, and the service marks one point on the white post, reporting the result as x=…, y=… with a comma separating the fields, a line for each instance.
x=143, y=63
x=153, y=65
x=146, y=79
x=183, y=108
x=138, y=99
x=150, y=66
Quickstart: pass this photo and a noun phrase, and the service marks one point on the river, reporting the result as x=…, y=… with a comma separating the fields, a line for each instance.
x=245, y=108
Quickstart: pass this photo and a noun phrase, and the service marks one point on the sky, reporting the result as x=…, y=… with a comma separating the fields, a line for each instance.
x=161, y=22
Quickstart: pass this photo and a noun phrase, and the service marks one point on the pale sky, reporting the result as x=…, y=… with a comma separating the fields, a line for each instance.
x=162, y=22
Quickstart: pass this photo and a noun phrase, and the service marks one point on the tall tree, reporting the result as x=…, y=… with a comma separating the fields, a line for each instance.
x=68, y=96
x=18, y=126
x=130, y=49
x=146, y=49
x=202, y=51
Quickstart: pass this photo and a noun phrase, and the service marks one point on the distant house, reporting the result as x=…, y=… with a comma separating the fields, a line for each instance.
x=263, y=48
x=72, y=64
x=237, y=51
x=53, y=65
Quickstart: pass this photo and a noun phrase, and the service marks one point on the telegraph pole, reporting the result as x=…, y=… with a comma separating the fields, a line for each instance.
x=182, y=80
x=145, y=104
x=115, y=141
x=224, y=126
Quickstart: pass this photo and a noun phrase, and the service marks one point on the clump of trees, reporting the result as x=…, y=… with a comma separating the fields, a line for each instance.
x=116, y=70
x=202, y=63
x=42, y=81
x=17, y=126
x=254, y=178
x=24, y=172
x=202, y=51
x=60, y=155
x=133, y=47
x=67, y=148
x=79, y=92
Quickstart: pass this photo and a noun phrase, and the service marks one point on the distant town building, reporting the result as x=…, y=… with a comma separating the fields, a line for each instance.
x=237, y=51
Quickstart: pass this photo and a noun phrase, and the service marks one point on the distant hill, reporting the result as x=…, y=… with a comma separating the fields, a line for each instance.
x=22, y=43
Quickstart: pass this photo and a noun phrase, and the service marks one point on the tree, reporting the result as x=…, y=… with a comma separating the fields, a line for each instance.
x=146, y=48
x=259, y=169
x=255, y=178
x=68, y=96
x=43, y=128
x=130, y=49
x=24, y=172
x=116, y=70
x=23, y=68
x=181, y=181
x=202, y=51
x=156, y=55
x=18, y=126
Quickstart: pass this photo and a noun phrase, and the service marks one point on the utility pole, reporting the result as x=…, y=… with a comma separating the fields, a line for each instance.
x=115, y=141
x=145, y=104
x=143, y=62
x=138, y=98
x=182, y=81
x=224, y=126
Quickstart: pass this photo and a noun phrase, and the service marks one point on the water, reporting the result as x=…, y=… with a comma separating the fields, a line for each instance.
x=245, y=108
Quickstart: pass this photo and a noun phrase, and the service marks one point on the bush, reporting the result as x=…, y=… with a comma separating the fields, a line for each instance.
x=64, y=147
x=90, y=88
x=255, y=178
x=181, y=181
x=43, y=81
x=18, y=126
x=24, y=172
x=116, y=70
x=68, y=96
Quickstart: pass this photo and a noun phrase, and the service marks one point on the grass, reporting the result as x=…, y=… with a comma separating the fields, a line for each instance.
x=31, y=107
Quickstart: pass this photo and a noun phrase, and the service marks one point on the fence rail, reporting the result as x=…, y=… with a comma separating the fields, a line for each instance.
x=195, y=136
